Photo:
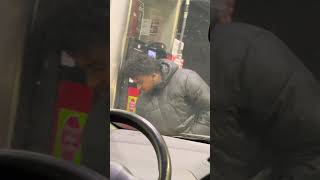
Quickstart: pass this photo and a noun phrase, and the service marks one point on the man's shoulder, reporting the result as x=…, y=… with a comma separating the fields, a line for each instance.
x=186, y=71
x=184, y=74
x=243, y=31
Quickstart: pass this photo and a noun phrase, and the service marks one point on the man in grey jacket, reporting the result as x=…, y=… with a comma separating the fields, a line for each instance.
x=174, y=100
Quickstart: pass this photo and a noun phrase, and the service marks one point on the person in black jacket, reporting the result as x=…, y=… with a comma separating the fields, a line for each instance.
x=174, y=100
x=266, y=108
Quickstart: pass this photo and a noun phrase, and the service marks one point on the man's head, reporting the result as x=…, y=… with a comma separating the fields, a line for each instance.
x=221, y=12
x=145, y=71
x=79, y=27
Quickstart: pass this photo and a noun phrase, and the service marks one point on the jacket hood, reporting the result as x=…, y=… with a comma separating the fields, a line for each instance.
x=168, y=68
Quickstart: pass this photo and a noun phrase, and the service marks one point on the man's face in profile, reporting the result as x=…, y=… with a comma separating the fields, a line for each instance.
x=146, y=83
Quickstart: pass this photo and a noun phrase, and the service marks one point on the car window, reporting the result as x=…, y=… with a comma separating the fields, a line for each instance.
x=173, y=33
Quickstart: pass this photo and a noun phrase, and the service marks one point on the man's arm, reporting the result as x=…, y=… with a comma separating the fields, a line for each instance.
x=198, y=92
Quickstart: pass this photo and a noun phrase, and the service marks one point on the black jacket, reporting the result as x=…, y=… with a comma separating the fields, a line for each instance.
x=266, y=108
x=179, y=104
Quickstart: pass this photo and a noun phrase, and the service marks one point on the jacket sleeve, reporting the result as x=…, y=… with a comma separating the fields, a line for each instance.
x=139, y=110
x=283, y=99
x=198, y=93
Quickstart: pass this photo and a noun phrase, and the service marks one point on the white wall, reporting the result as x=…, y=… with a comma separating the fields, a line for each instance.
x=119, y=10
x=169, y=11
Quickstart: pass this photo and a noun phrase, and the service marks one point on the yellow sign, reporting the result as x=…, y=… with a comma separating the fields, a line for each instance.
x=131, y=105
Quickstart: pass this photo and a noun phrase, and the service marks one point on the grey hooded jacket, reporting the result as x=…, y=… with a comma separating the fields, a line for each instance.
x=179, y=104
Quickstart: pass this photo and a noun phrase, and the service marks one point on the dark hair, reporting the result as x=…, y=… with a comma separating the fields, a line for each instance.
x=75, y=25
x=141, y=65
